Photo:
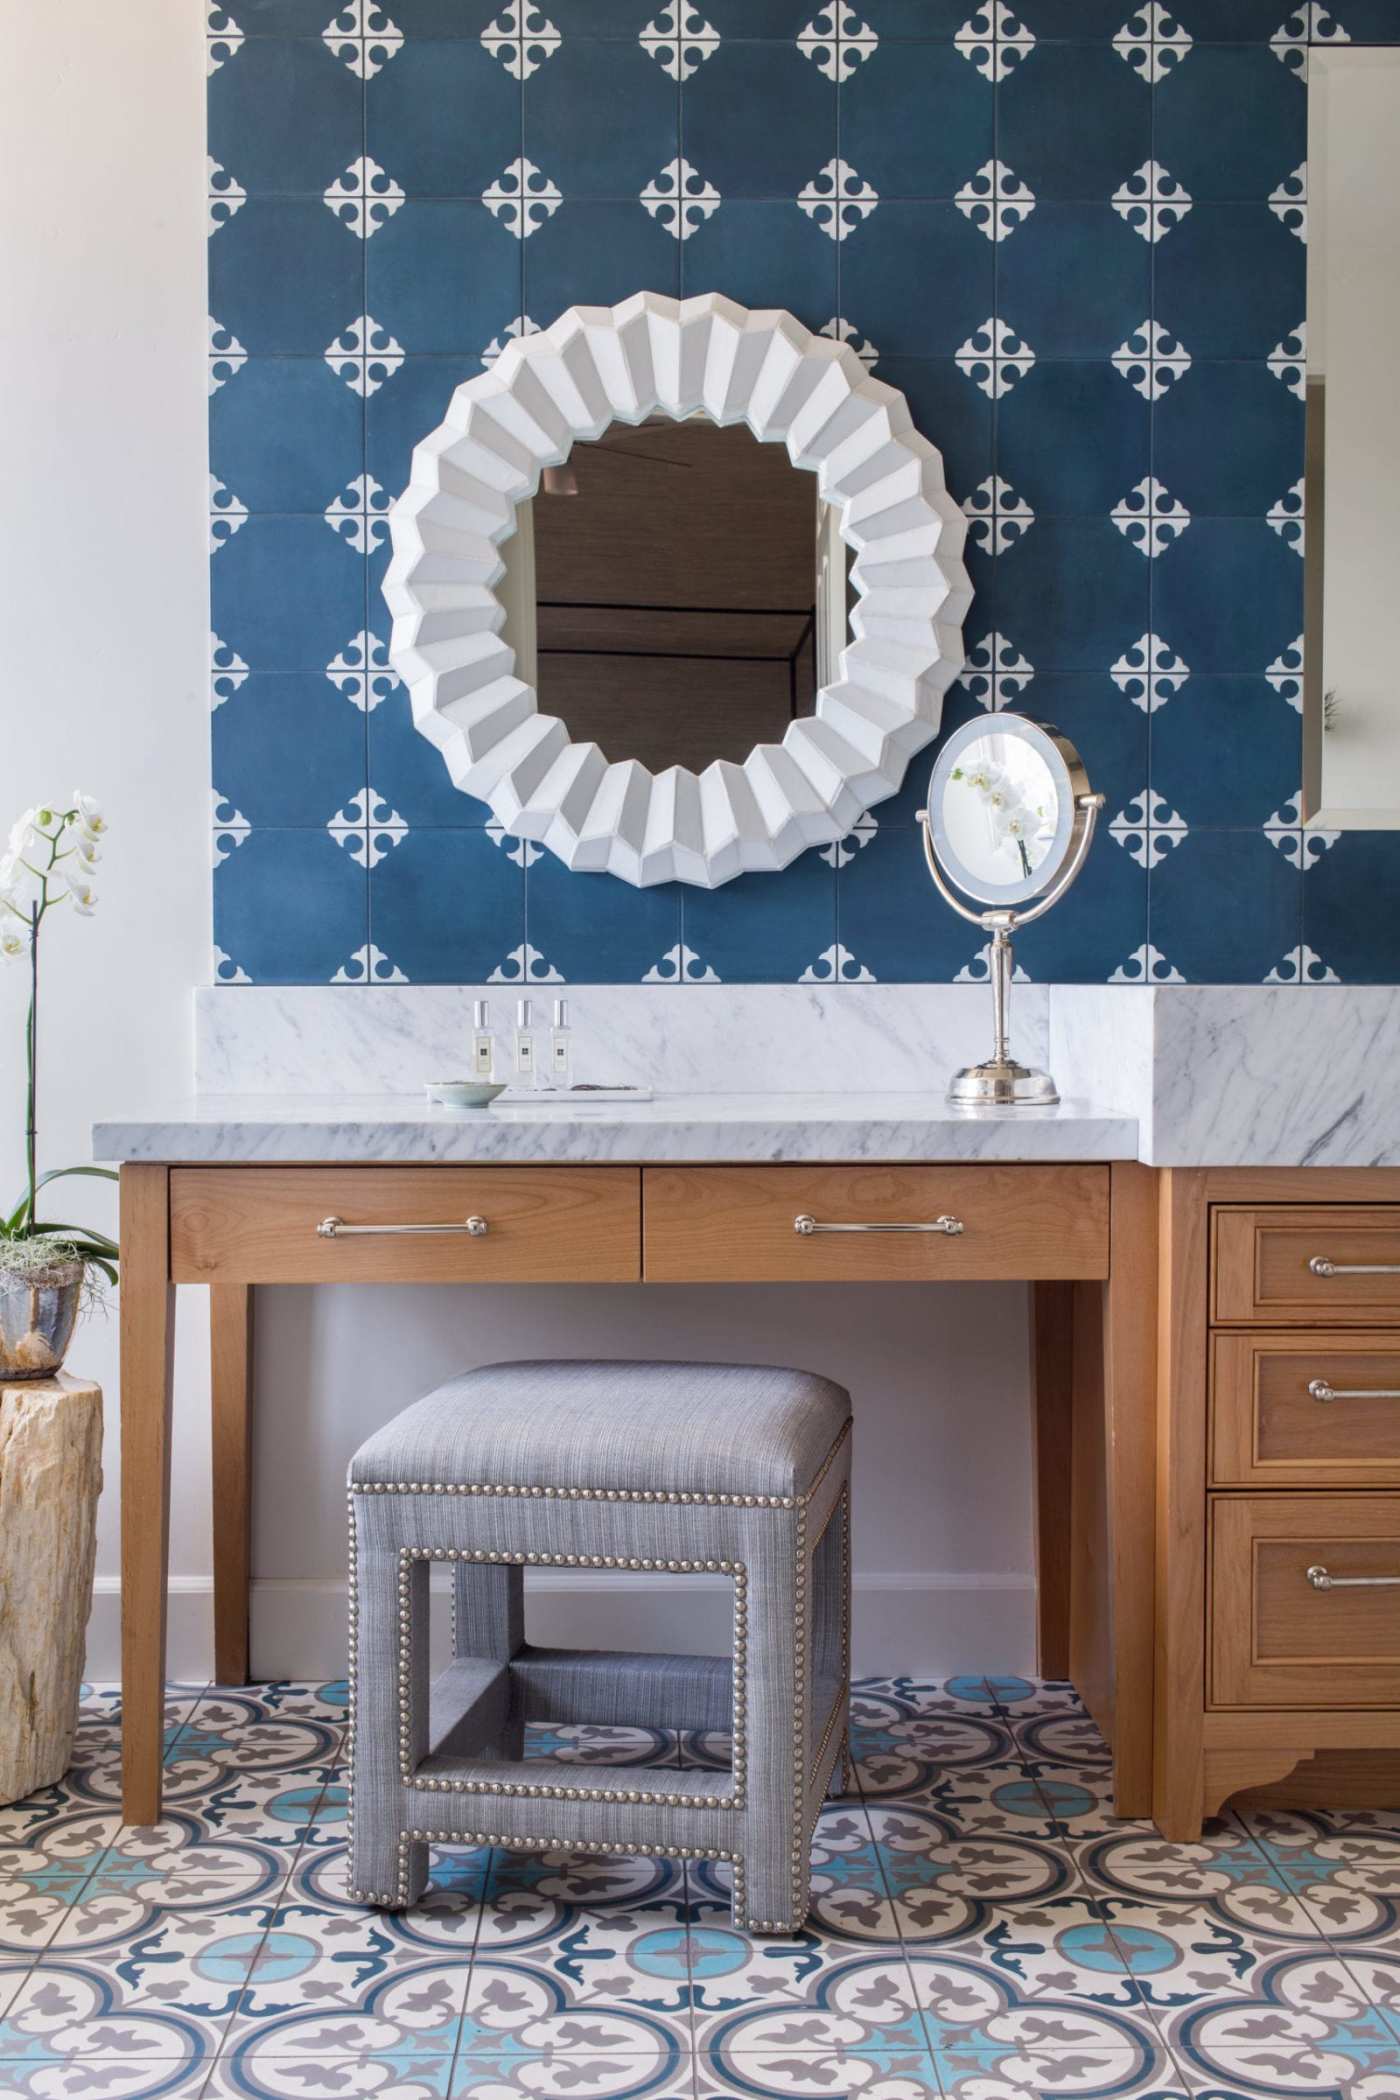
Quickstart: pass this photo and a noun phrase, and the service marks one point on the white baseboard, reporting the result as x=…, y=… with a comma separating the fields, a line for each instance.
x=926, y=1623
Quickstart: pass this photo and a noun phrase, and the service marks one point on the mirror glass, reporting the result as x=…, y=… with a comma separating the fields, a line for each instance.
x=1002, y=808
x=1351, y=701
x=999, y=805
x=676, y=592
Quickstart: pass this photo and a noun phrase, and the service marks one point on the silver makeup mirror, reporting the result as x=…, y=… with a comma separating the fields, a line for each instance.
x=1009, y=822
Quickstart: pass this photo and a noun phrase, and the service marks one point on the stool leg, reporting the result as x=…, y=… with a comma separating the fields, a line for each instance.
x=385, y=1869
x=488, y=1621
x=771, y=1892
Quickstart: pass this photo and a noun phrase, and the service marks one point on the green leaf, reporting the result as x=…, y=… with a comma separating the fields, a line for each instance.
x=59, y=1174
x=84, y=1233
x=16, y=1216
x=105, y=1266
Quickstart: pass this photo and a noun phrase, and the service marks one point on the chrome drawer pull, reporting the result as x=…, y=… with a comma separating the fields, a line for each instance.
x=1321, y=1266
x=337, y=1229
x=1321, y=1390
x=805, y=1224
x=1321, y=1580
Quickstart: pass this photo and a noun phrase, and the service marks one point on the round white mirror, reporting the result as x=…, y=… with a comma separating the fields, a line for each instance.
x=806, y=614
x=1002, y=806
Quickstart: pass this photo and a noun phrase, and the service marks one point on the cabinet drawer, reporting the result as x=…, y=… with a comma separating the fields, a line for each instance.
x=542, y=1224
x=1278, y=1641
x=1264, y=1264
x=741, y=1224
x=1305, y=1409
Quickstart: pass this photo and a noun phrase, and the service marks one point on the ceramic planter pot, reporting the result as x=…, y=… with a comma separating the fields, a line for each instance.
x=38, y=1312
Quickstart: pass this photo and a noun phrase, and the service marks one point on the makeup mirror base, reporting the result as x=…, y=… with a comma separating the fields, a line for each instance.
x=1002, y=1083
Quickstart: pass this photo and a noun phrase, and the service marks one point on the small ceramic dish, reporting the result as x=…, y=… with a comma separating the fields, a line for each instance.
x=464, y=1093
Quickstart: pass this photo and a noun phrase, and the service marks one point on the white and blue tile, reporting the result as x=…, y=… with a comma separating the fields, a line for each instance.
x=369, y=247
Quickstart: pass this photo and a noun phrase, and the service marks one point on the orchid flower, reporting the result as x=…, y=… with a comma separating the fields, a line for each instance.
x=50, y=861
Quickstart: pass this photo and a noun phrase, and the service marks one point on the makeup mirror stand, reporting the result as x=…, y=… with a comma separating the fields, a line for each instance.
x=1001, y=1082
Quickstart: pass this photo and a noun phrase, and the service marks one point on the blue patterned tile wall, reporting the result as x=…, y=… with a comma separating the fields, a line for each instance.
x=1073, y=236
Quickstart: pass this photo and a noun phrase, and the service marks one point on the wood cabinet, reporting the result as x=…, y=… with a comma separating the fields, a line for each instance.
x=1278, y=1532
x=876, y=1224
x=1287, y=1626
x=405, y=1224
x=1278, y=1262
x=1303, y=1409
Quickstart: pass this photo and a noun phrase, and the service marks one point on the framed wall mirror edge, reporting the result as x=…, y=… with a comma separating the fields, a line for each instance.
x=1350, y=698
x=675, y=424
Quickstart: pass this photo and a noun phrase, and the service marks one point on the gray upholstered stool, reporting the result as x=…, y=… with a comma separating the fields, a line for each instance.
x=678, y=1468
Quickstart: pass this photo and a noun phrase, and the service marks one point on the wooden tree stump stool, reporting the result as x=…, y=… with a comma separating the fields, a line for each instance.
x=50, y=1478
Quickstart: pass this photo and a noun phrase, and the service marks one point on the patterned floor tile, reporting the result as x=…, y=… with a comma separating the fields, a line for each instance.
x=546, y=1953
x=979, y=1916
x=233, y=1730
x=69, y=2009
x=1344, y=1867
x=849, y=1900
x=898, y=1754
x=517, y=2008
x=1061, y=1950
x=34, y=1901
x=1300, y=2003
x=197, y=1963
x=447, y=1917
x=1223, y=1870
x=897, y=2074
x=1268, y=2070
x=862, y=2006
x=1180, y=1955
x=142, y=2077
x=411, y=2013
x=1034, y=1695
x=1095, y=2071
x=942, y=1880
x=1061, y=1737
x=594, y=2072
x=920, y=1695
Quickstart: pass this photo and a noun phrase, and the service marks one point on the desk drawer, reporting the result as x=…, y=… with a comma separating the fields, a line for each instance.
x=1306, y=1409
x=542, y=1224
x=1264, y=1264
x=740, y=1224
x=1279, y=1641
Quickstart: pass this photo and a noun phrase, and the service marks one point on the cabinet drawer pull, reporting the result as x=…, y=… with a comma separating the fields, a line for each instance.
x=337, y=1229
x=1322, y=1391
x=1321, y=1266
x=1321, y=1580
x=805, y=1224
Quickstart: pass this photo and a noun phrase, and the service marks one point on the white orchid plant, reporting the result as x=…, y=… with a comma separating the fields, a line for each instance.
x=49, y=863
x=1013, y=821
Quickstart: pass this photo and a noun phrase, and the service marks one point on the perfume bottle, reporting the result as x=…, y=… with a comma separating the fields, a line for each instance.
x=526, y=1073
x=560, y=1047
x=483, y=1042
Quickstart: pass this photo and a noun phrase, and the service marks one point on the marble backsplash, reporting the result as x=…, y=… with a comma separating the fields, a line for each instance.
x=1215, y=1075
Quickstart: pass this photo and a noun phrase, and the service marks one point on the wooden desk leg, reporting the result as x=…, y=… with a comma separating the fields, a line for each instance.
x=1129, y=1433
x=1178, y=1802
x=1052, y=1389
x=230, y=1365
x=147, y=1342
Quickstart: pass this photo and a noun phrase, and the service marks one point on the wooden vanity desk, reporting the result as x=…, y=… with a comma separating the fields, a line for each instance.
x=1081, y=1233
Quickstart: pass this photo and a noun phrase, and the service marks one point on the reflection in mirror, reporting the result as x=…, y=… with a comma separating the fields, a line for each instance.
x=1000, y=808
x=1351, y=702
x=676, y=592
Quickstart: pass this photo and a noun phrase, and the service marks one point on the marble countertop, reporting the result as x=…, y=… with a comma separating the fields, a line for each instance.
x=230, y=1128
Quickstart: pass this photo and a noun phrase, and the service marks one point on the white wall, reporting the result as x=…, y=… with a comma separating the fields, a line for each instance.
x=103, y=623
